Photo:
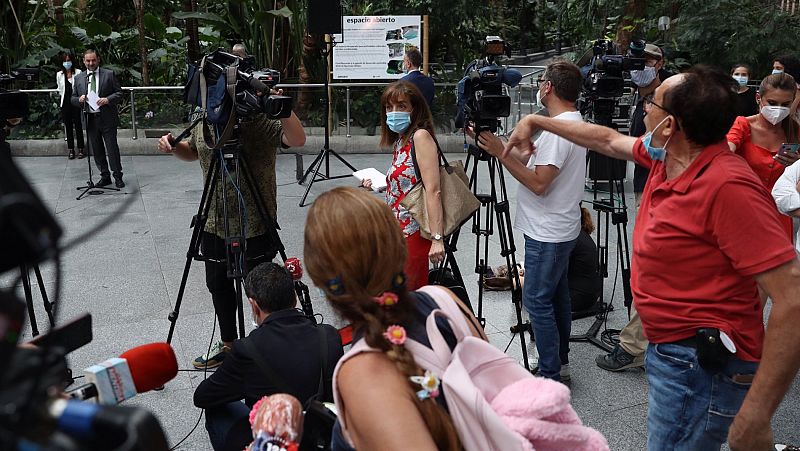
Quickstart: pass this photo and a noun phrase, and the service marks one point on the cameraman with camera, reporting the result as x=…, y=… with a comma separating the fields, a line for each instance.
x=629, y=352
x=548, y=213
x=260, y=138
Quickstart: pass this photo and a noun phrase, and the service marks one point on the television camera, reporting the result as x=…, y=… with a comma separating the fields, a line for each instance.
x=233, y=82
x=604, y=81
x=481, y=100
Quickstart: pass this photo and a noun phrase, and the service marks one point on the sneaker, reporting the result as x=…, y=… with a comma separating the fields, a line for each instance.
x=214, y=357
x=618, y=359
x=565, y=373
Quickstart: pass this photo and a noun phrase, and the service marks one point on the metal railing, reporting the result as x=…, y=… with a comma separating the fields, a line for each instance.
x=523, y=95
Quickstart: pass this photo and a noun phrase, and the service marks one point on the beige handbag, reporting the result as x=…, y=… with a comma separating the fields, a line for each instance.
x=458, y=202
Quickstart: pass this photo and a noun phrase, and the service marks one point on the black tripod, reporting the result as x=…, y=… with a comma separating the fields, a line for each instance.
x=611, y=211
x=90, y=187
x=24, y=271
x=494, y=206
x=324, y=155
x=235, y=246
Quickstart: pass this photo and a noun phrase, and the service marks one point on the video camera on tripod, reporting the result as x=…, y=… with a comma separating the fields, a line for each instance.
x=481, y=100
x=604, y=82
x=232, y=82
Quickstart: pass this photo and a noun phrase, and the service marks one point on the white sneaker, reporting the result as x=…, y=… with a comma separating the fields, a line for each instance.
x=565, y=373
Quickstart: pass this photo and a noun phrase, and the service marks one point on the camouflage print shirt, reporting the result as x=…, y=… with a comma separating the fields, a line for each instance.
x=260, y=138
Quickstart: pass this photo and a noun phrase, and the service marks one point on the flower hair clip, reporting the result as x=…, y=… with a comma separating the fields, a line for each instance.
x=395, y=334
x=430, y=385
x=387, y=299
x=335, y=286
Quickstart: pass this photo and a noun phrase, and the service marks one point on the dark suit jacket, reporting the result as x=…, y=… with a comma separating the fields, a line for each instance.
x=289, y=342
x=424, y=83
x=107, y=86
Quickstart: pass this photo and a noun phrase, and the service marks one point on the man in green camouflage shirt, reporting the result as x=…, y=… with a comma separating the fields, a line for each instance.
x=260, y=138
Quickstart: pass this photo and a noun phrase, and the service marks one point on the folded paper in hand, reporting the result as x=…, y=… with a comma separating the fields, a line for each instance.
x=377, y=178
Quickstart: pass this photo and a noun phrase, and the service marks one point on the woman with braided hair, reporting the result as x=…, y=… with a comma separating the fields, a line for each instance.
x=385, y=399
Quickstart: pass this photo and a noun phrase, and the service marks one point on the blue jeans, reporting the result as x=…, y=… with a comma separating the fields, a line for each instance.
x=545, y=296
x=220, y=420
x=690, y=408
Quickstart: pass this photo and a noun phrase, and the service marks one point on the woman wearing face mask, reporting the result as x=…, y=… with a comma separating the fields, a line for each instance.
x=758, y=138
x=747, y=96
x=65, y=79
x=407, y=123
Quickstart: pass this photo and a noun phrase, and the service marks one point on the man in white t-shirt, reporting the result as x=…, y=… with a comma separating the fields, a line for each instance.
x=548, y=213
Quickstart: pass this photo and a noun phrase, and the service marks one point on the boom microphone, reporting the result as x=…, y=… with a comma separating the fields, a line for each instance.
x=138, y=370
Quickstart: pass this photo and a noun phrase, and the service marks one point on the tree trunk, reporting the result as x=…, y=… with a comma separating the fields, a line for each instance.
x=305, y=96
x=139, y=7
x=627, y=27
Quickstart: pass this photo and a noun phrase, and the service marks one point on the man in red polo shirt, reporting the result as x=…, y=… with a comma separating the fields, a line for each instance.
x=706, y=235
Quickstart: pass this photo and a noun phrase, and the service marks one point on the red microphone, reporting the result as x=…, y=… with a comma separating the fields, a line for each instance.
x=294, y=267
x=152, y=365
x=138, y=370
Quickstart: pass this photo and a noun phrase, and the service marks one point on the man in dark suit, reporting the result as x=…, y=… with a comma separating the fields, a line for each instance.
x=412, y=61
x=286, y=341
x=102, y=116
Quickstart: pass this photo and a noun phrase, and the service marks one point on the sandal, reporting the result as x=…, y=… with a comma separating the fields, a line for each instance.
x=81, y=154
x=71, y=155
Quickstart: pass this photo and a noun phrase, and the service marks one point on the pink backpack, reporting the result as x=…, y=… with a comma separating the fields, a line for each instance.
x=495, y=404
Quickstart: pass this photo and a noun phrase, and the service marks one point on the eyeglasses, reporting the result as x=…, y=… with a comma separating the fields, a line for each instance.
x=649, y=103
x=541, y=80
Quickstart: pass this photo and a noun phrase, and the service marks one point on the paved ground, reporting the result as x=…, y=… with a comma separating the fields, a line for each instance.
x=128, y=275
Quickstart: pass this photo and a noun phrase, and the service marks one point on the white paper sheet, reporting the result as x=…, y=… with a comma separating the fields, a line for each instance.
x=377, y=177
x=92, y=98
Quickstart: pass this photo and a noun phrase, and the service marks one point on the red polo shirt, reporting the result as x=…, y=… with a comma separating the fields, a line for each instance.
x=698, y=241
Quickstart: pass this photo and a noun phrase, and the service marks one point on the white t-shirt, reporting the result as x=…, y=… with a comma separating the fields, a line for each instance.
x=555, y=216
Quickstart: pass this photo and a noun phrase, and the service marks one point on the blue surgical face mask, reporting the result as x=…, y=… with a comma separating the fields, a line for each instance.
x=776, y=71
x=67, y=65
x=656, y=153
x=741, y=79
x=398, y=121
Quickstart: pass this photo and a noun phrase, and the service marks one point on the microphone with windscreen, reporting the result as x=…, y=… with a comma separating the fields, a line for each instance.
x=277, y=423
x=138, y=370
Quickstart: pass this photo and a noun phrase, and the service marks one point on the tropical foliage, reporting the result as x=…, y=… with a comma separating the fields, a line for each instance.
x=149, y=42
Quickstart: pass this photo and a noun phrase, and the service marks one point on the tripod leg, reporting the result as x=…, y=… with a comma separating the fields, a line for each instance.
x=335, y=154
x=240, y=307
x=26, y=286
x=507, y=250
x=198, y=224
x=311, y=167
x=313, y=179
x=48, y=306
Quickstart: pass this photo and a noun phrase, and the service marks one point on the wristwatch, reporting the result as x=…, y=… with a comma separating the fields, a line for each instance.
x=436, y=237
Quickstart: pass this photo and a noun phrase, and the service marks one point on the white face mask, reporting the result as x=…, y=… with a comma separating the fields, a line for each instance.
x=642, y=78
x=741, y=79
x=539, y=97
x=774, y=114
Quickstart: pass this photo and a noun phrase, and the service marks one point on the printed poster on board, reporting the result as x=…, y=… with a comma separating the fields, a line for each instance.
x=373, y=46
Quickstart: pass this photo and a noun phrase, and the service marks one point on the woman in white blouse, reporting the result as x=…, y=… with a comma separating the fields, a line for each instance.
x=65, y=79
x=786, y=192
